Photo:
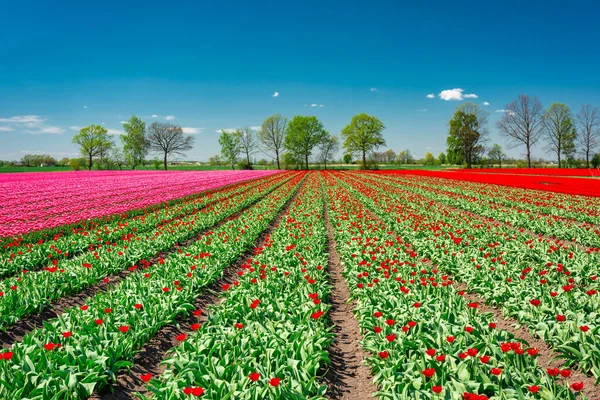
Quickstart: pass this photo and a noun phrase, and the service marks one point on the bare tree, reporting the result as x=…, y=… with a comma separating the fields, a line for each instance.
x=328, y=147
x=588, y=122
x=272, y=134
x=522, y=123
x=248, y=143
x=168, y=139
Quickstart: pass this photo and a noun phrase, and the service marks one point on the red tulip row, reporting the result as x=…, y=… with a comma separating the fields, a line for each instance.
x=426, y=341
x=81, y=351
x=32, y=256
x=267, y=339
x=30, y=292
x=551, y=290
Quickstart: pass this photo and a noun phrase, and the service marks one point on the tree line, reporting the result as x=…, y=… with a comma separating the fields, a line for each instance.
x=524, y=124
x=300, y=140
x=95, y=144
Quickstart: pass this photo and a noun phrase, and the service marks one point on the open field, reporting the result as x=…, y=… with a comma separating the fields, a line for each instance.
x=299, y=285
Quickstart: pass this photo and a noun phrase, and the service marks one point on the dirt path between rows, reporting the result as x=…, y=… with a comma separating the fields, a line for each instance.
x=27, y=324
x=148, y=359
x=348, y=378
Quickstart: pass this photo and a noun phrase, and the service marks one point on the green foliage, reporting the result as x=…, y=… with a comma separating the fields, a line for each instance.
x=596, y=161
x=93, y=141
x=496, y=154
x=303, y=135
x=230, y=146
x=442, y=158
x=135, y=145
x=347, y=158
x=429, y=159
x=464, y=136
x=75, y=164
x=363, y=135
x=559, y=131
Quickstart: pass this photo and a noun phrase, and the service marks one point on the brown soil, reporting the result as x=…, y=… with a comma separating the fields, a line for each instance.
x=148, y=359
x=348, y=378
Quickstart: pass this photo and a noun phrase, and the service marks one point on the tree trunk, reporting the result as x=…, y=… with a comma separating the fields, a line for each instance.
x=325, y=162
x=364, y=157
x=587, y=158
x=559, y=163
x=306, y=157
x=233, y=166
x=528, y=157
x=500, y=163
x=165, y=161
x=90, y=164
x=248, y=159
x=277, y=157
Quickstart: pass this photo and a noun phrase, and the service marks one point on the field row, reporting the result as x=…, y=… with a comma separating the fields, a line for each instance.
x=407, y=249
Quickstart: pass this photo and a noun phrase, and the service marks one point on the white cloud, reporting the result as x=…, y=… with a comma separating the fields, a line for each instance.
x=451, y=94
x=255, y=128
x=122, y=122
x=24, y=119
x=503, y=111
x=114, y=132
x=276, y=94
x=84, y=106
x=456, y=94
x=485, y=103
x=192, y=131
x=75, y=128
x=54, y=130
x=154, y=115
x=34, y=123
x=373, y=89
x=228, y=130
x=170, y=117
x=422, y=110
x=314, y=105
x=430, y=96
x=52, y=153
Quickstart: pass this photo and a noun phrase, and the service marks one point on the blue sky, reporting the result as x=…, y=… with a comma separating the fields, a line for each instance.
x=215, y=65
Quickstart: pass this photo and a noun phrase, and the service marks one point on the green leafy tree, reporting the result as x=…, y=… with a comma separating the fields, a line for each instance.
x=497, y=154
x=363, y=135
x=429, y=159
x=92, y=141
x=272, y=135
x=303, y=135
x=595, y=161
x=230, y=146
x=558, y=129
x=405, y=157
x=442, y=158
x=467, y=132
x=347, y=158
x=135, y=145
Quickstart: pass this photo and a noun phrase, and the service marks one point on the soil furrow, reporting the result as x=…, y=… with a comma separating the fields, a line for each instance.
x=348, y=377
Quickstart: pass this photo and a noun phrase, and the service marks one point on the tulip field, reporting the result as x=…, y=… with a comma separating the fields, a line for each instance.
x=224, y=285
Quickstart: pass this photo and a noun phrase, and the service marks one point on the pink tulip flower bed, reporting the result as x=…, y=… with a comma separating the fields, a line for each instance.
x=35, y=201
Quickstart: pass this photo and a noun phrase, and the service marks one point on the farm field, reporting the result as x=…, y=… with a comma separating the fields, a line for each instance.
x=299, y=285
